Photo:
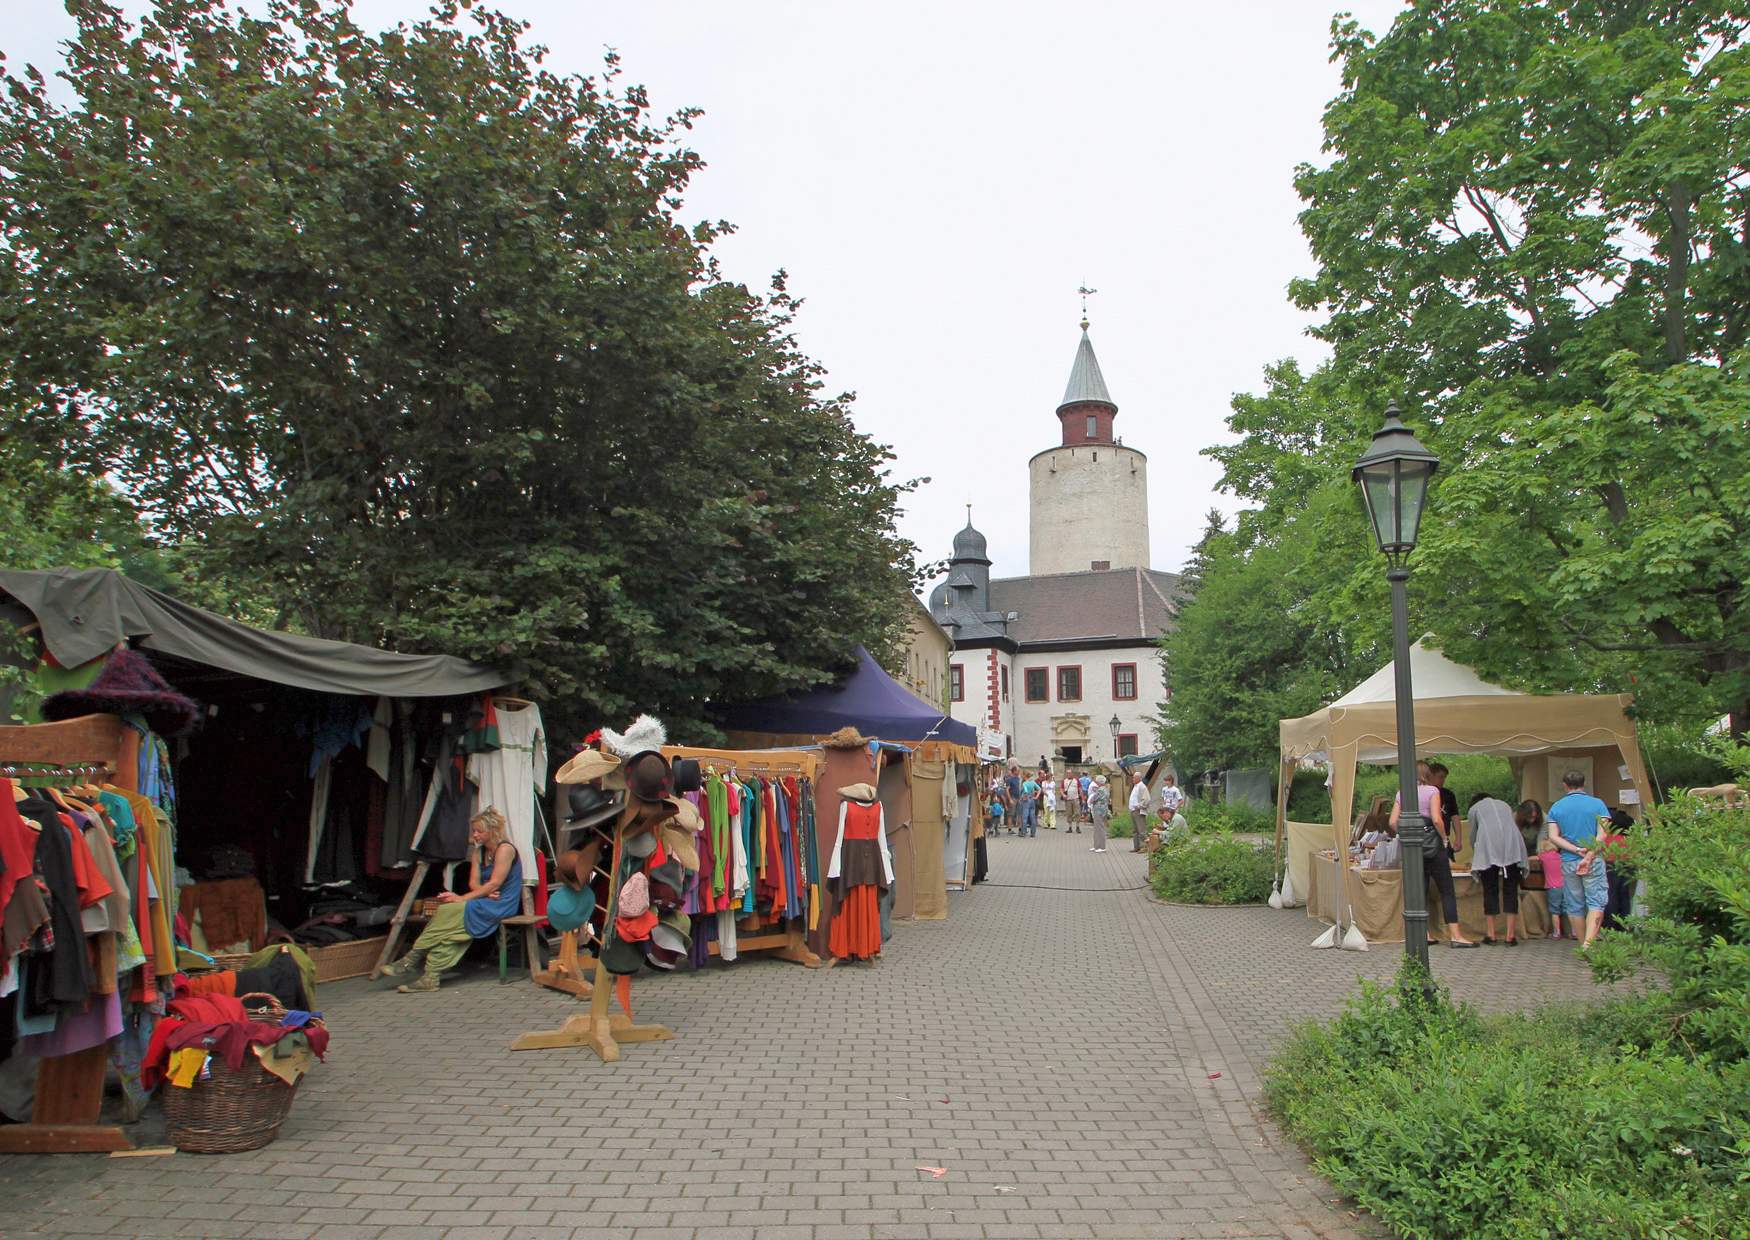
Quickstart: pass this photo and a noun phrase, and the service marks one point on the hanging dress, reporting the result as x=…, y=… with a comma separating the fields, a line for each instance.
x=859, y=871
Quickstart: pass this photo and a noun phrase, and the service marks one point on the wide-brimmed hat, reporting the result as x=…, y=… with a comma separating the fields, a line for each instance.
x=587, y=765
x=844, y=738
x=570, y=908
x=586, y=805
x=668, y=883
x=680, y=843
x=127, y=685
x=859, y=792
x=576, y=866
x=671, y=940
x=686, y=815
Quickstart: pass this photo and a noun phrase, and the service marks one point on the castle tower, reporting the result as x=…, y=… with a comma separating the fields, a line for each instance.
x=1089, y=495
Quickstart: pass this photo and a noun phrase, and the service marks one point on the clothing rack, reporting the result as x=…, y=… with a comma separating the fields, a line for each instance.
x=784, y=942
x=69, y=1088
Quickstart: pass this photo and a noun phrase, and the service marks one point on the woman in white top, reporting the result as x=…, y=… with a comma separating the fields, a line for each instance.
x=1498, y=857
x=1048, y=789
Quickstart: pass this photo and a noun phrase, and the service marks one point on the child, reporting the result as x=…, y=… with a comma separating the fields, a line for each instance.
x=1554, y=889
x=996, y=814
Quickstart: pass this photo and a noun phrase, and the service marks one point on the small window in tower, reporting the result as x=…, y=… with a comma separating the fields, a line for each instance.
x=956, y=683
x=1093, y=426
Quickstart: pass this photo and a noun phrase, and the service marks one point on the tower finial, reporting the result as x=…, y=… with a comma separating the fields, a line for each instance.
x=1086, y=293
x=969, y=514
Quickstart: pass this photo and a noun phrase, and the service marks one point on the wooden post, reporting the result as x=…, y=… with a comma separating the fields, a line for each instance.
x=397, y=923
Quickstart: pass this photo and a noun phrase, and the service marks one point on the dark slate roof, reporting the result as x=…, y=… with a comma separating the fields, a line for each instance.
x=1119, y=603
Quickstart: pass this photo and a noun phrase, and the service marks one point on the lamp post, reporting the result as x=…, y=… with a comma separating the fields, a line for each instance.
x=1116, y=725
x=1393, y=476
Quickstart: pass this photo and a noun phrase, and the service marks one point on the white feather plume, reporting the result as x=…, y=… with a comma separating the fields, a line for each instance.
x=645, y=733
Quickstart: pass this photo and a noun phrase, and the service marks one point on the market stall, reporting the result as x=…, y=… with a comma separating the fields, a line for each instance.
x=1457, y=712
x=316, y=774
x=915, y=755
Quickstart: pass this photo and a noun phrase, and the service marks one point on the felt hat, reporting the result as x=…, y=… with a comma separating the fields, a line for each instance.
x=661, y=958
x=634, y=897
x=588, y=805
x=622, y=956
x=844, y=738
x=640, y=846
x=648, y=776
x=635, y=929
x=587, y=765
x=127, y=685
x=673, y=932
x=576, y=866
x=570, y=908
x=859, y=792
x=668, y=883
x=686, y=815
x=687, y=776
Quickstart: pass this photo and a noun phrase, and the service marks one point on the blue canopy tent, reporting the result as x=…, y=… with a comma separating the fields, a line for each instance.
x=868, y=699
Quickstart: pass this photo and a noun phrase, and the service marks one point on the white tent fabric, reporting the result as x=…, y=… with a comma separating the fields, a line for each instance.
x=1432, y=675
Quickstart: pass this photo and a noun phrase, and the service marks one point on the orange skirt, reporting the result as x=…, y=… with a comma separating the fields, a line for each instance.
x=856, y=927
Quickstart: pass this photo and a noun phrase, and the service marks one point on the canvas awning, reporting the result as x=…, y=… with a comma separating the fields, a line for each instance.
x=85, y=613
x=868, y=699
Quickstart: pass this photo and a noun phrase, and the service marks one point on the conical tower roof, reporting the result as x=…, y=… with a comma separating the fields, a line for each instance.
x=1086, y=383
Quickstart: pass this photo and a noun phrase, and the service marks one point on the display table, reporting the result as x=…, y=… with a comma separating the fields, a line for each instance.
x=1377, y=897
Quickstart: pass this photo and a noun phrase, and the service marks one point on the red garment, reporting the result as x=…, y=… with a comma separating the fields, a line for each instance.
x=208, y=1008
x=17, y=849
x=856, y=927
x=635, y=929
x=93, y=887
x=229, y=1039
x=775, y=854
x=223, y=982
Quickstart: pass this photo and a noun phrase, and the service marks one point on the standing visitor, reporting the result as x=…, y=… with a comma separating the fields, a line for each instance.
x=1437, y=774
x=1573, y=829
x=1048, y=794
x=1071, y=799
x=1099, y=807
x=1139, y=815
x=1086, y=786
x=995, y=811
x=1498, y=859
x=1438, y=863
x=1172, y=796
x=1012, y=794
x=1619, y=906
x=1030, y=807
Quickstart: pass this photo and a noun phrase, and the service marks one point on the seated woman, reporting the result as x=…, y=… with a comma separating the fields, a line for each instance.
x=495, y=887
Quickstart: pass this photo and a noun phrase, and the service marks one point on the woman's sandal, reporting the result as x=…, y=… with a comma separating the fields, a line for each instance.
x=1457, y=946
x=1512, y=942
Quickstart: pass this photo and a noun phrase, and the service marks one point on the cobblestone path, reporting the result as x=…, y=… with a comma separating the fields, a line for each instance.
x=1054, y=1046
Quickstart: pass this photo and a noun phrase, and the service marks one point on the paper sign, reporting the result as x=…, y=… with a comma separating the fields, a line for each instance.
x=1630, y=796
x=1622, y=774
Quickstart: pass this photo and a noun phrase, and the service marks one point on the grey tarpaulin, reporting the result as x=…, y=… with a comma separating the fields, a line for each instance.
x=1250, y=787
x=85, y=613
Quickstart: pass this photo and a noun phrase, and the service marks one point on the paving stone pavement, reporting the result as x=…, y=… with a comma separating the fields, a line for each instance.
x=1053, y=1045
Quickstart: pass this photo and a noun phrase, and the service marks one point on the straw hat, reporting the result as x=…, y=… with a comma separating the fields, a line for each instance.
x=844, y=738
x=587, y=765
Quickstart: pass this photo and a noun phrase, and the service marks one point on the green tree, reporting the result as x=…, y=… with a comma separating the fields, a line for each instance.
x=1535, y=223
x=404, y=331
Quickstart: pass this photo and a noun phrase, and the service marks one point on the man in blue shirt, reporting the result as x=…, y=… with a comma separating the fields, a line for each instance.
x=1573, y=829
x=1029, y=807
x=1012, y=784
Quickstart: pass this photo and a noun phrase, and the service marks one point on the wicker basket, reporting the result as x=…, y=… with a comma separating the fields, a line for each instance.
x=230, y=1109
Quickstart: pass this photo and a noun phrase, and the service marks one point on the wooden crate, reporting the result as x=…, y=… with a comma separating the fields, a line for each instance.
x=342, y=960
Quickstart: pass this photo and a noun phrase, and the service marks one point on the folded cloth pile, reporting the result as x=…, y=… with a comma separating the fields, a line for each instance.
x=218, y=1024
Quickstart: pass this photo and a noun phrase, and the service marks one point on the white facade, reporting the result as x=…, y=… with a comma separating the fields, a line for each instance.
x=1043, y=728
x=1088, y=509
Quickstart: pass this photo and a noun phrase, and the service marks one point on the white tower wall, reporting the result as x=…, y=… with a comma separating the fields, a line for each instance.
x=1089, y=503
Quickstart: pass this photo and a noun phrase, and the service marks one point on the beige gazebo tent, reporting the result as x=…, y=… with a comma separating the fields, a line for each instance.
x=1456, y=712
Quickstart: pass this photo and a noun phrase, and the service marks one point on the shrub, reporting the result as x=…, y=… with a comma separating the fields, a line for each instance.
x=1211, y=869
x=1448, y=1124
x=1118, y=826
x=1206, y=815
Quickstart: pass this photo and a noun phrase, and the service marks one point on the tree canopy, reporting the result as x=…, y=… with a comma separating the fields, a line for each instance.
x=1532, y=227
x=405, y=331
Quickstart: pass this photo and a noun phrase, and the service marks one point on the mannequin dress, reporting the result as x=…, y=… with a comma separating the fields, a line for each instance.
x=860, y=870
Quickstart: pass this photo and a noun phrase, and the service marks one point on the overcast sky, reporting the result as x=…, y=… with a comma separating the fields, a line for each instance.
x=939, y=178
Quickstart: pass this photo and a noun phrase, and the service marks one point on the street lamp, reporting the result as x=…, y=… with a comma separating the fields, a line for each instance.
x=1116, y=725
x=1393, y=475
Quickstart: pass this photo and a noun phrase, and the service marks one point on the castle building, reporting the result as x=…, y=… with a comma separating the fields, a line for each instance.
x=1046, y=661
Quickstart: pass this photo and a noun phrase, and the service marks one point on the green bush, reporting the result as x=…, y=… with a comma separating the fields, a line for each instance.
x=1447, y=1124
x=1310, y=801
x=1211, y=869
x=1205, y=815
x=1677, y=757
x=1118, y=826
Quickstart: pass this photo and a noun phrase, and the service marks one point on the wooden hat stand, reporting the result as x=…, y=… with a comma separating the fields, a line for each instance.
x=599, y=1029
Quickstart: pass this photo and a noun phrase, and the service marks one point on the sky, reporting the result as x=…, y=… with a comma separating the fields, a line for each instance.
x=938, y=180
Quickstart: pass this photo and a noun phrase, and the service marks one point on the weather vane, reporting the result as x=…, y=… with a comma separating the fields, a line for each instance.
x=1086, y=293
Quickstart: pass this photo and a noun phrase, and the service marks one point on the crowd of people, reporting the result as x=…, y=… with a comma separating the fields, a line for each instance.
x=1574, y=852
x=1021, y=801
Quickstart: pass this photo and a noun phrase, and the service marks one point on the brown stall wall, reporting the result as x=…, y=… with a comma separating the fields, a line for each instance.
x=895, y=789
x=929, y=832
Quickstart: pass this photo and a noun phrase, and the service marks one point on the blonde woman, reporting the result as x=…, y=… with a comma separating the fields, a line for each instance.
x=495, y=886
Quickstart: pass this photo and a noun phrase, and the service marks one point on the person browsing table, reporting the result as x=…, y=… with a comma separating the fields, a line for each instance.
x=1573, y=829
